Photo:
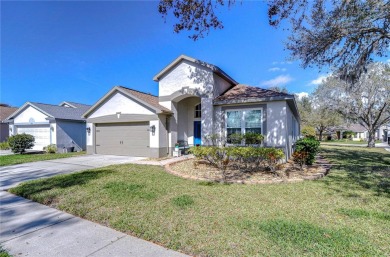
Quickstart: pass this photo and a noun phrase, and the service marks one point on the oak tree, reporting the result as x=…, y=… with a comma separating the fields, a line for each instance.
x=342, y=34
x=366, y=103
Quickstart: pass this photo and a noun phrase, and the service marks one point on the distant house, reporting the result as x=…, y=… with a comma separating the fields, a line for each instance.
x=360, y=132
x=196, y=99
x=5, y=111
x=61, y=124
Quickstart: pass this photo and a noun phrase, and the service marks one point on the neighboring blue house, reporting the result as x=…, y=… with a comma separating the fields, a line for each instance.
x=61, y=124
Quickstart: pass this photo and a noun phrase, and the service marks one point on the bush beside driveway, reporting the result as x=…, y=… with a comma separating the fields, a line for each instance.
x=346, y=213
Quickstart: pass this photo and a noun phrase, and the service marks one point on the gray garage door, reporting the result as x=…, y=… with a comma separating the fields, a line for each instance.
x=123, y=139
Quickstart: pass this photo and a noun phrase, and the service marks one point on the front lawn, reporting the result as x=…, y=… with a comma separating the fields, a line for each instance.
x=345, y=214
x=13, y=159
x=348, y=142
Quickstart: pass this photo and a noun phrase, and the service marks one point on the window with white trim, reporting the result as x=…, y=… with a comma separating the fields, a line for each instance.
x=243, y=121
x=198, y=111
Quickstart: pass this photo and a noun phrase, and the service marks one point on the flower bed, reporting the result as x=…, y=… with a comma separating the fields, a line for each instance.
x=287, y=172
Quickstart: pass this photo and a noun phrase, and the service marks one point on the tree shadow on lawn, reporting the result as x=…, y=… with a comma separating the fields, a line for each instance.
x=348, y=179
x=30, y=188
x=355, y=156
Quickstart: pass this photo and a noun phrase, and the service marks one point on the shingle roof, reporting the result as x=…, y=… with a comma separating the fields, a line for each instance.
x=5, y=112
x=61, y=112
x=244, y=92
x=78, y=105
x=147, y=98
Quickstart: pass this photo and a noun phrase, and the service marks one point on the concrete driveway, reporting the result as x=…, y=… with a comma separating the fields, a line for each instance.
x=10, y=176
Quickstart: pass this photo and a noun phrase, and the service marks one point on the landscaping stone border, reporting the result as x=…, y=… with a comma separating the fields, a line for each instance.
x=325, y=169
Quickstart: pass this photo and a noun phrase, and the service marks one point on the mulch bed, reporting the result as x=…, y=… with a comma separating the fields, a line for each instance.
x=287, y=172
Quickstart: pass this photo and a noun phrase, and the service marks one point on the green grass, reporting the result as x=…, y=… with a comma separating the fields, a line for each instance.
x=13, y=159
x=4, y=253
x=347, y=141
x=344, y=214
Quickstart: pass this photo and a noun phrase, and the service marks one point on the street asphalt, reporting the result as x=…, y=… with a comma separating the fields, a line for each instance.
x=30, y=229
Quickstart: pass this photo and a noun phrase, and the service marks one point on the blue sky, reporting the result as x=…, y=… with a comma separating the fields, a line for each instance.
x=53, y=51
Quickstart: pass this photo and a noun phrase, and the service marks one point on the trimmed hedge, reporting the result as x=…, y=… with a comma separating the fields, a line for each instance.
x=20, y=142
x=243, y=158
x=310, y=146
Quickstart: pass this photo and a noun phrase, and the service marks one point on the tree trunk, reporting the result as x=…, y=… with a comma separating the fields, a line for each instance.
x=371, y=138
x=320, y=136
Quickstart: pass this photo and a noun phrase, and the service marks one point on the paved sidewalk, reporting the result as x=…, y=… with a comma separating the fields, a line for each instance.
x=32, y=229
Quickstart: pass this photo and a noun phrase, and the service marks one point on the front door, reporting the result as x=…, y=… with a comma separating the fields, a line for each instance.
x=197, y=133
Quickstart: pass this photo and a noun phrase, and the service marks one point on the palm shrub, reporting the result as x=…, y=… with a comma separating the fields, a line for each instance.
x=310, y=146
x=4, y=145
x=20, y=142
x=50, y=148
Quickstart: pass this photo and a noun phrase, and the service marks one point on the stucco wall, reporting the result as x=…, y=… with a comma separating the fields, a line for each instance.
x=118, y=102
x=207, y=119
x=4, y=132
x=290, y=124
x=186, y=74
x=220, y=85
x=30, y=115
x=71, y=134
x=276, y=124
x=90, y=136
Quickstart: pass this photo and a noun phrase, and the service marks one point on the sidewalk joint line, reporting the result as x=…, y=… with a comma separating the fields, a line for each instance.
x=38, y=229
x=112, y=242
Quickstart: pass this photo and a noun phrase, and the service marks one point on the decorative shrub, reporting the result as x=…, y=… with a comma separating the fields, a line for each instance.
x=236, y=138
x=4, y=145
x=242, y=158
x=310, y=146
x=300, y=158
x=308, y=131
x=252, y=138
x=20, y=142
x=50, y=148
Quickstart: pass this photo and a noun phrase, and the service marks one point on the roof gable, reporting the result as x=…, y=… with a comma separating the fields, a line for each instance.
x=181, y=58
x=54, y=111
x=148, y=100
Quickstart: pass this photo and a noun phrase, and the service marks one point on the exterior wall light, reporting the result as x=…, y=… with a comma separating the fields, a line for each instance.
x=118, y=115
x=52, y=128
x=153, y=129
x=10, y=129
x=88, y=130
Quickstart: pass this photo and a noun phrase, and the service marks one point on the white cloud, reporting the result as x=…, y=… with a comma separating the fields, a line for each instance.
x=302, y=94
x=276, y=69
x=319, y=80
x=278, y=81
x=282, y=62
x=388, y=61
